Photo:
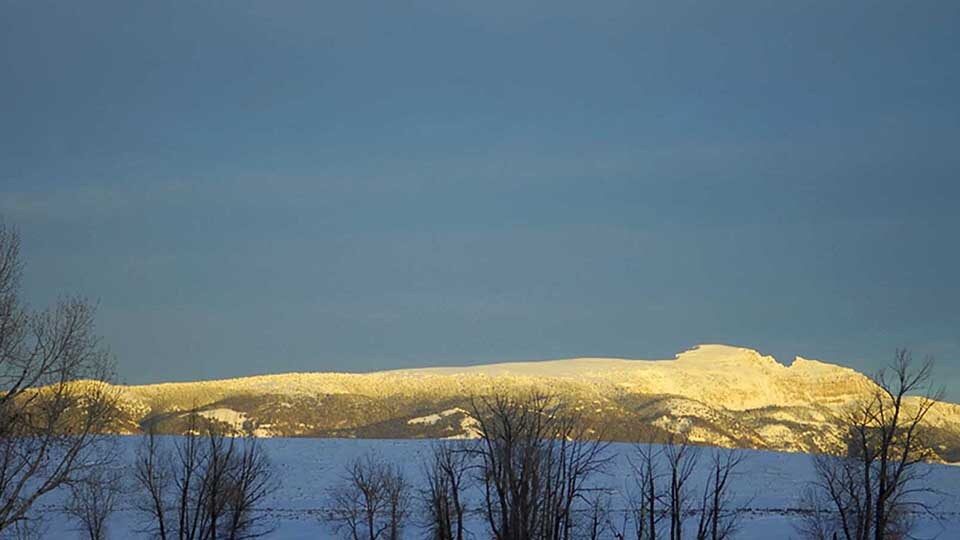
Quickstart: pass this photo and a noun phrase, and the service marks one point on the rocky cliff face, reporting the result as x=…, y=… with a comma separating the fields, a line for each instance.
x=720, y=395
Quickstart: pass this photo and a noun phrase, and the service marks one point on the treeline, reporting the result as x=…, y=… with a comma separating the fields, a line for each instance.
x=535, y=472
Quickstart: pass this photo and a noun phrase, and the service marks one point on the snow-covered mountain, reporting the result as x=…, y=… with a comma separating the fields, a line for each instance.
x=721, y=395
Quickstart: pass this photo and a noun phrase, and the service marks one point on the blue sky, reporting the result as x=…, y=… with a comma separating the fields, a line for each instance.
x=265, y=187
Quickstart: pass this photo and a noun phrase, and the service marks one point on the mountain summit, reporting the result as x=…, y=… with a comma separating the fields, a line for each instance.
x=718, y=394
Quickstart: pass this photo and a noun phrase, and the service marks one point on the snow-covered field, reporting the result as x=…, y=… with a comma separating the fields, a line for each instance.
x=769, y=485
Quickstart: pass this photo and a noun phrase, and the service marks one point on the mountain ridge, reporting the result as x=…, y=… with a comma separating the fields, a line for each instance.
x=718, y=394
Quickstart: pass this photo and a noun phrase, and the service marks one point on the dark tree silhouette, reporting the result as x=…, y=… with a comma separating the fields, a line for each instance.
x=372, y=502
x=871, y=486
x=718, y=518
x=681, y=460
x=55, y=404
x=536, y=456
x=93, y=499
x=203, y=485
x=446, y=474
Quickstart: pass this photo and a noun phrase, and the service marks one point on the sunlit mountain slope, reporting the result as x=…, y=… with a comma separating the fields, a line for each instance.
x=721, y=395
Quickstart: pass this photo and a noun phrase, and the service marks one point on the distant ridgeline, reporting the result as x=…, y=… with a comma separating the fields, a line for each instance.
x=715, y=394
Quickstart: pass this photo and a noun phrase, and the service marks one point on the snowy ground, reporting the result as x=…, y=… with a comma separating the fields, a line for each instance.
x=770, y=485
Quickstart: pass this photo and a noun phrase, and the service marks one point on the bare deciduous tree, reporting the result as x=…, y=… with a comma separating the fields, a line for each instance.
x=535, y=458
x=250, y=480
x=93, y=499
x=660, y=488
x=31, y=528
x=871, y=487
x=644, y=498
x=446, y=475
x=718, y=518
x=681, y=460
x=55, y=404
x=372, y=502
x=153, y=474
x=630, y=522
x=397, y=490
x=204, y=485
x=817, y=521
x=597, y=520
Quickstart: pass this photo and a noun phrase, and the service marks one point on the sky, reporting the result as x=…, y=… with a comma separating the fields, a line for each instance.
x=260, y=187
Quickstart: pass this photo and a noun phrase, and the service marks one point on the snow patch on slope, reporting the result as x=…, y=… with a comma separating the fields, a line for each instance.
x=234, y=419
x=469, y=427
x=431, y=419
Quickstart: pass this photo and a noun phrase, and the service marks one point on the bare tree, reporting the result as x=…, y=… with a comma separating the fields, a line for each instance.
x=718, y=518
x=681, y=460
x=659, y=488
x=630, y=522
x=54, y=401
x=446, y=475
x=153, y=474
x=92, y=500
x=372, y=502
x=871, y=486
x=817, y=520
x=397, y=490
x=250, y=481
x=349, y=509
x=597, y=522
x=30, y=528
x=535, y=458
x=203, y=486
x=644, y=499
x=188, y=463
